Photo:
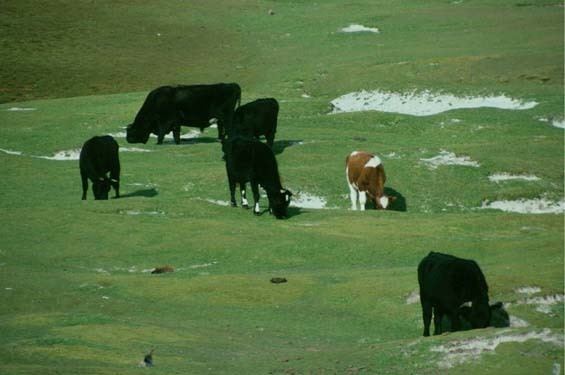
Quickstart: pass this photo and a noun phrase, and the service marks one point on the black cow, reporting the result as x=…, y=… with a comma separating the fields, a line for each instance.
x=257, y=118
x=248, y=160
x=499, y=318
x=99, y=155
x=446, y=282
x=168, y=107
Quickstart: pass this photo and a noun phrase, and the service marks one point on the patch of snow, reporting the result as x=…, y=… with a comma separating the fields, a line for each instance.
x=497, y=177
x=118, y=135
x=356, y=28
x=528, y=290
x=527, y=206
x=459, y=352
x=20, y=109
x=543, y=303
x=516, y=322
x=10, y=152
x=218, y=202
x=205, y=265
x=413, y=298
x=133, y=149
x=558, y=123
x=449, y=158
x=136, y=212
x=556, y=369
x=306, y=200
x=306, y=96
x=190, y=135
x=63, y=155
x=424, y=103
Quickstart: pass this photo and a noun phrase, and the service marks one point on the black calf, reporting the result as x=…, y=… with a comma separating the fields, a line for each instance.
x=99, y=155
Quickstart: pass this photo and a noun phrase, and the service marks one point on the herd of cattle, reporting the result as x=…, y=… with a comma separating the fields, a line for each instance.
x=446, y=282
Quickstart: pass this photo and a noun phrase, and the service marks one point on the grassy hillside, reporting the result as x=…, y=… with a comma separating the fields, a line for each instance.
x=77, y=294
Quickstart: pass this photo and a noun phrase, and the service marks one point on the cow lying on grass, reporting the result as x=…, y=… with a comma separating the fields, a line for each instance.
x=98, y=157
x=248, y=160
x=446, y=282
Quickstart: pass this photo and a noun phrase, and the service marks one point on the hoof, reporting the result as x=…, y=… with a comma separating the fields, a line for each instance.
x=246, y=206
x=233, y=204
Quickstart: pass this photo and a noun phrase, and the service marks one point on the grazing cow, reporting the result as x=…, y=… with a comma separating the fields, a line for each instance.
x=366, y=177
x=168, y=107
x=446, y=282
x=99, y=155
x=498, y=318
x=257, y=118
x=248, y=160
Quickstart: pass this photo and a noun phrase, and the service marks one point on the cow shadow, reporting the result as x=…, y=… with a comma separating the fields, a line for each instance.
x=291, y=211
x=279, y=146
x=199, y=140
x=147, y=193
x=399, y=203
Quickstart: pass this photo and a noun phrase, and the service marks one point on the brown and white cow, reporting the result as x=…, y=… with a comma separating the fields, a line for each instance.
x=366, y=179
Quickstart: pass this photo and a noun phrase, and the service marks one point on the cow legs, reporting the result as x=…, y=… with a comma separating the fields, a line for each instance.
x=231, y=183
x=426, y=314
x=115, y=178
x=438, y=315
x=176, y=134
x=84, y=179
x=362, y=200
x=244, y=202
x=255, y=189
x=353, y=194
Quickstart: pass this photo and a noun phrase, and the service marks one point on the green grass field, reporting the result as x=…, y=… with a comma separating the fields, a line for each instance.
x=77, y=297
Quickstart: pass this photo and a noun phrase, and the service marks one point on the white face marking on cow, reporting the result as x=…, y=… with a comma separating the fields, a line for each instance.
x=374, y=162
x=384, y=201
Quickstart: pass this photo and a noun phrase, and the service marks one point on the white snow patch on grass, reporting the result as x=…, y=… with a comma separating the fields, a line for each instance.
x=133, y=149
x=204, y=265
x=527, y=206
x=190, y=135
x=498, y=177
x=307, y=200
x=356, y=28
x=20, y=109
x=528, y=290
x=10, y=152
x=118, y=135
x=516, y=322
x=459, y=352
x=63, y=155
x=424, y=103
x=558, y=123
x=449, y=158
x=413, y=298
x=218, y=202
x=137, y=212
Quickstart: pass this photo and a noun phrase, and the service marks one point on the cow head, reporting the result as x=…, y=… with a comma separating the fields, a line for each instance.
x=100, y=188
x=480, y=314
x=279, y=203
x=137, y=134
x=498, y=316
x=384, y=201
